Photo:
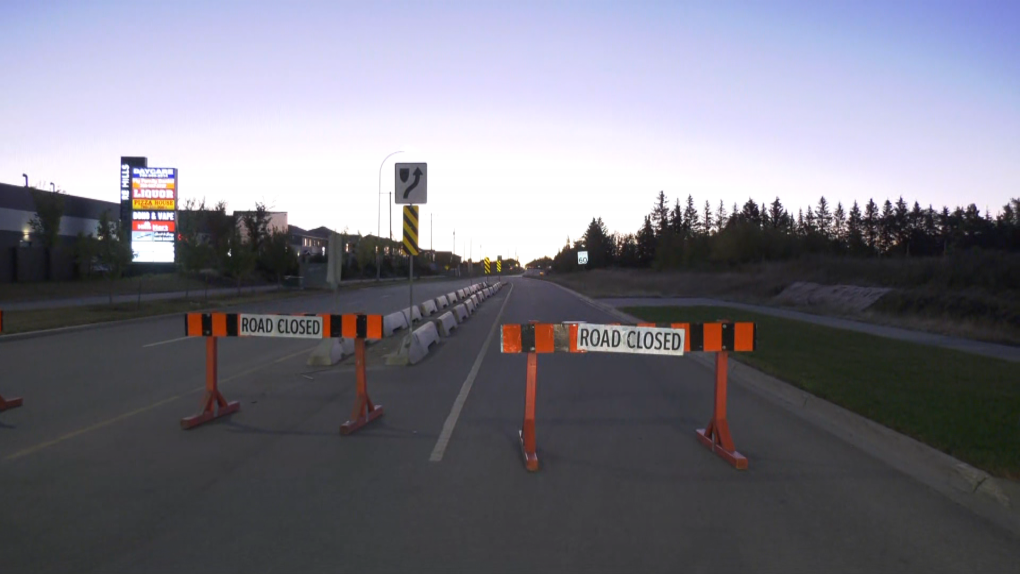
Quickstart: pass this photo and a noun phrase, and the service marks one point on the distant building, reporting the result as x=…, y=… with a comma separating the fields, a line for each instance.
x=17, y=208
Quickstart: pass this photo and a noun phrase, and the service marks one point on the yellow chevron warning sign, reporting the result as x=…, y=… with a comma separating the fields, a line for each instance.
x=485, y=263
x=411, y=229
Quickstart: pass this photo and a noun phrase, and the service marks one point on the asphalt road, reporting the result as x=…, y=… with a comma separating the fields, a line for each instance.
x=96, y=476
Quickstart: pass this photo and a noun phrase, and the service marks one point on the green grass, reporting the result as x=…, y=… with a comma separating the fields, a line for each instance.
x=155, y=283
x=40, y=319
x=962, y=404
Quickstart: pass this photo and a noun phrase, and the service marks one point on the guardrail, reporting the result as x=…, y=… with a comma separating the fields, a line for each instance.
x=645, y=339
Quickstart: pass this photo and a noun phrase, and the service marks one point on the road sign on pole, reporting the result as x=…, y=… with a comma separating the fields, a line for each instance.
x=411, y=229
x=411, y=185
x=582, y=257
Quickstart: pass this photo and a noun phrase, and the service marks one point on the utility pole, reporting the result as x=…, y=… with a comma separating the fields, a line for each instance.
x=391, y=216
x=454, y=252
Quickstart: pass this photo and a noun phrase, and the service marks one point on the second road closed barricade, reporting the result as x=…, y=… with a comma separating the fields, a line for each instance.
x=644, y=339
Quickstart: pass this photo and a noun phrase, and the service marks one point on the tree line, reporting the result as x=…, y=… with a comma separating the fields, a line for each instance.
x=683, y=235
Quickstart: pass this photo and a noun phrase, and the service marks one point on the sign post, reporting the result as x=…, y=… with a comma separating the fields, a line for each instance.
x=410, y=189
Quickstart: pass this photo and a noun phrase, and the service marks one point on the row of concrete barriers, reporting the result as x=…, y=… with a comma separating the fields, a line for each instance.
x=458, y=306
x=332, y=351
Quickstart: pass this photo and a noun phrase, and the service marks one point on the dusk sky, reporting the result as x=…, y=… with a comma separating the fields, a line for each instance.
x=534, y=117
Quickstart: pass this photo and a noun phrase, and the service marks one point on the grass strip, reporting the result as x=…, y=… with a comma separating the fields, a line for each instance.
x=41, y=319
x=964, y=405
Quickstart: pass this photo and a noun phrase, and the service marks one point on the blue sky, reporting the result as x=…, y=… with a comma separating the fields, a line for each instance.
x=534, y=117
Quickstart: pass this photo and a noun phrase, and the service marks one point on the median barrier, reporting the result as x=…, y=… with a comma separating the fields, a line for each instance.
x=461, y=313
x=452, y=297
x=644, y=338
x=213, y=326
x=330, y=352
x=442, y=302
x=412, y=315
x=470, y=304
x=13, y=402
x=429, y=307
x=393, y=322
x=447, y=323
x=417, y=344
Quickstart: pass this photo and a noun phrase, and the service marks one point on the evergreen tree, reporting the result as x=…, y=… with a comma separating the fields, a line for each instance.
x=646, y=243
x=871, y=226
x=691, y=223
x=707, y=223
x=660, y=215
x=721, y=217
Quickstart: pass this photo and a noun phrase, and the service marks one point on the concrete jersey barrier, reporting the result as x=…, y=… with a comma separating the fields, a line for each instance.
x=428, y=308
x=447, y=324
x=442, y=302
x=461, y=313
x=420, y=341
x=476, y=300
x=470, y=304
x=451, y=297
x=412, y=315
x=394, y=322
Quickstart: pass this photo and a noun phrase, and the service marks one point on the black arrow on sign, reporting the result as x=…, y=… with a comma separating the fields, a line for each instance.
x=414, y=184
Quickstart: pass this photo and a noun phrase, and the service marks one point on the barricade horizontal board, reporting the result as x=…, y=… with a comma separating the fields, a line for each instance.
x=645, y=338
x=352, y=326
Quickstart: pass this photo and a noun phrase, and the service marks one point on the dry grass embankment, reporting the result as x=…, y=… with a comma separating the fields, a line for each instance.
x=974, y=295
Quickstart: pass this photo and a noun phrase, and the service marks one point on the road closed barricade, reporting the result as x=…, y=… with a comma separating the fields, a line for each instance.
x=646, y=339
x=12, y=402
x=212, y=326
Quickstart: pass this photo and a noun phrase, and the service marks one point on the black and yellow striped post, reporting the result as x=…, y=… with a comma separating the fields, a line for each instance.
x=485, y=263
x=411, y=229
x=411, y=247
x=499, y=264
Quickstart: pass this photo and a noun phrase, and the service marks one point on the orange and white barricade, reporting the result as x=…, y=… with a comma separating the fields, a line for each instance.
x=212, y=326
x=644, y=338
x=13, y=402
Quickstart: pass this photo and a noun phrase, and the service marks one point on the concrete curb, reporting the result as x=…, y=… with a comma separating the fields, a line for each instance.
x=990, y=497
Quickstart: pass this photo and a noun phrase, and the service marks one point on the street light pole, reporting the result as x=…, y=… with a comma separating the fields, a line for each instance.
x=391, y=216
x=53, y=188
x=25, y=175
x=378, y=217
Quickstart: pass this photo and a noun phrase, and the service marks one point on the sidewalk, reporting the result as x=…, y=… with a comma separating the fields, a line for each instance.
x=994, y=350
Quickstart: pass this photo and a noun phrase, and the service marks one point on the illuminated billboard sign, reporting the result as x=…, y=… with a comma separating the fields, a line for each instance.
x=153, y=213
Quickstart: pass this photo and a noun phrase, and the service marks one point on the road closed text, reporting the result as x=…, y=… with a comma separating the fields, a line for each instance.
x=280, y=326
x=628, y=339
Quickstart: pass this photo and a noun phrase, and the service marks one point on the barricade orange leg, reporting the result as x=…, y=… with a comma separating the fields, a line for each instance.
x=717, y=435
x=528, y=428
x=364, y=411
x=214, y=405
x=9, y=403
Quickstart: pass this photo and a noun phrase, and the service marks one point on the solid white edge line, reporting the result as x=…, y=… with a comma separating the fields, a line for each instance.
x=465, y=389
x=165, y=342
